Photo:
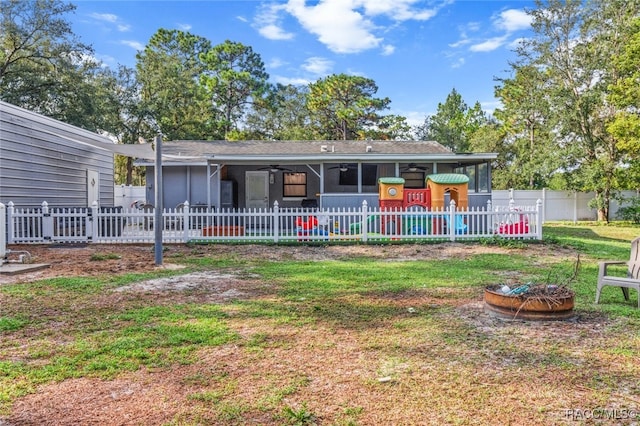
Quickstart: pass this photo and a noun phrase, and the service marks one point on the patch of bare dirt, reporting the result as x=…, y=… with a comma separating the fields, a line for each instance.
x=101, y=259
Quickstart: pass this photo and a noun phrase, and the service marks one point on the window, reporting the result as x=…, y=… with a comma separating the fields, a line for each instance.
x=413, y=179
x=369, y=175
x=471, y=173
x=483, y=177
x=478, y=176
x=295, y=184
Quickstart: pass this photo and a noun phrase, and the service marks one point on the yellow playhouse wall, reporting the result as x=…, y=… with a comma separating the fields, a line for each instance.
x=459, y=193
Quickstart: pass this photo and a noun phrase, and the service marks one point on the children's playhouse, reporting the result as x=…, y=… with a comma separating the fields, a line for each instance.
x=425, y=202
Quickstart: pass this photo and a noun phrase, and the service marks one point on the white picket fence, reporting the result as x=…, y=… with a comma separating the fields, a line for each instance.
x=273, y=225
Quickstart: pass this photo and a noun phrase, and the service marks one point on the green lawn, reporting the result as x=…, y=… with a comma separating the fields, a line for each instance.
x=355, y=340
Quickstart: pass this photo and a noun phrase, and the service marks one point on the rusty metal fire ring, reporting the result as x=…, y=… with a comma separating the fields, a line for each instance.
x=526, y=308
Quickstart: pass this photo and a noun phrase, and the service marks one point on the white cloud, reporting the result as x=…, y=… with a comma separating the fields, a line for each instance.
x=106, y=17
x=473, y=26
x=512, y=20
x=351, y=71
x=399, y=10
x=414, y=118
x=490, y=106
x=242, y=18
x=464, y=34
x=507, y=22
x=317, y=65
x=460, y=43
x=132, y=43
x=295, y=81
x=184, y=27
x=489, y=45
x=388, y=50
x=336, y=24
x=458, y=63
x=514, y=44
x=274, y=32
x=110, y=18
x=268, y=23
x=343, y=26
x=275, y=63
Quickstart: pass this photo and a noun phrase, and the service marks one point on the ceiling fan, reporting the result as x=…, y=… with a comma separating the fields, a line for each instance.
x=274, y=168
x=413, y=167
x=343, y=167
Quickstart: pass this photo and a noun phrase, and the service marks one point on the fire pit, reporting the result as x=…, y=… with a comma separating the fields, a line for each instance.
x=527, y=302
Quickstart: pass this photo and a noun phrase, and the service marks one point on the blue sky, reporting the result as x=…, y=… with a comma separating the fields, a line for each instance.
x=415, y=51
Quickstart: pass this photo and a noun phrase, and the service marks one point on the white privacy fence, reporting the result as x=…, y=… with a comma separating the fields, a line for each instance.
x=273, y=225
x=562, y=205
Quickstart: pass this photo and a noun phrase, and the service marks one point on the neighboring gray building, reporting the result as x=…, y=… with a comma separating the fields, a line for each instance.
x=255, y=174
x=42, y=159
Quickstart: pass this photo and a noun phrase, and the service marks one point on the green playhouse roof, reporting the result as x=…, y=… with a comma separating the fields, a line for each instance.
x=448, y=178
x=391, y=180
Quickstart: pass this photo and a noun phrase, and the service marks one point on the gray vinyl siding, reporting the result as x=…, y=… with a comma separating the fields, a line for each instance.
x=39, y=162
x=180, y=184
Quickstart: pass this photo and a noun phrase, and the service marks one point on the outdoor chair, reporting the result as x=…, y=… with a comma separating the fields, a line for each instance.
x=632, y=280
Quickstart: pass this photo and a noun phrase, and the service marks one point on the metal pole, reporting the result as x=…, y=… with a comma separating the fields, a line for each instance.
x=158, y=225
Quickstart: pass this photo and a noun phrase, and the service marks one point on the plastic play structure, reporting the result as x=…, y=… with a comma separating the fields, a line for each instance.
x=426, y=205
x=308, y=226
x=519, y=227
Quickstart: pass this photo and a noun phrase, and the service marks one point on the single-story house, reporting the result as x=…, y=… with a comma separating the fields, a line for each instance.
x=255, y=174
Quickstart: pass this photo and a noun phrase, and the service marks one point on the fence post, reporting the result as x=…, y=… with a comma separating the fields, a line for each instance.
x=276, y=221
x=452, y=220
x=47, y=222
x=538, y=219
x=94, y=221
x=365, y=225
x=10, y=226
x=490, y=223
x=186, y=221
x=544, y=205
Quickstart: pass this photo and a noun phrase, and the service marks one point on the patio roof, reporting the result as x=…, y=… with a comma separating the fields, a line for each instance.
x=291, y=152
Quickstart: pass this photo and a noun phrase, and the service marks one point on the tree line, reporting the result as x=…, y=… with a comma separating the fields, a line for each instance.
x=569, y=115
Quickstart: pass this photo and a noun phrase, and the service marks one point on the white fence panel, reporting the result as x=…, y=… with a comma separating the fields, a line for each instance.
x=560, y=205
x=279, y=225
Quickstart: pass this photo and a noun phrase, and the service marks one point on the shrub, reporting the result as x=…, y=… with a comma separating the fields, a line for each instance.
x=631, y=212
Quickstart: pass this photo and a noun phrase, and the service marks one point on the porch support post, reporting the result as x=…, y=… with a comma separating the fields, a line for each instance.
x=209, y=185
